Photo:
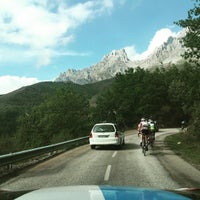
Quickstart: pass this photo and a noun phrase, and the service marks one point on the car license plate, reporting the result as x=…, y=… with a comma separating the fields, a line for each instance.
x=103, y=136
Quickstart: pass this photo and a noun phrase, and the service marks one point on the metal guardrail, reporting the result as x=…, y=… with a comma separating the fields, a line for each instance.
x=11, y=158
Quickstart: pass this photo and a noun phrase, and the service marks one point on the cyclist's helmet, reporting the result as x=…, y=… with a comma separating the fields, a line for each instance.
x=150, y=120
x=142, y=119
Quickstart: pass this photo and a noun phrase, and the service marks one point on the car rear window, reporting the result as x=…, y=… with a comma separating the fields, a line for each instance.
x=103, y=128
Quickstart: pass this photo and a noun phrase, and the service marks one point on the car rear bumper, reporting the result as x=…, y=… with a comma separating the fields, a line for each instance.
x=103, y=142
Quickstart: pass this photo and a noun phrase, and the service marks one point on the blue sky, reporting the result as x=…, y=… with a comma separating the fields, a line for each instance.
x=39, y=39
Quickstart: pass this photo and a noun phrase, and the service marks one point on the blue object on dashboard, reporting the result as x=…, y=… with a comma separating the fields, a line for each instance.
x=95, y=192
x=131, y=193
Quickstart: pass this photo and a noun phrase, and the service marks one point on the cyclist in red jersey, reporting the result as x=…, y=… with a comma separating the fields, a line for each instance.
x=143, y=128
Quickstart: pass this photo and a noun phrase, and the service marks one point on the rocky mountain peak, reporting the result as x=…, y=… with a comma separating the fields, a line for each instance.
x=117, y=61
x=116, y=55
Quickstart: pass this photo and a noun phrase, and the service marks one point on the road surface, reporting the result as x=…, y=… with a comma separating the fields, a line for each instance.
x=160, y=168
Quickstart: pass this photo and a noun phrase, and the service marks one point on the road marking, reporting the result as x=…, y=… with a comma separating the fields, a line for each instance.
x=114, y=154
x=107, y=174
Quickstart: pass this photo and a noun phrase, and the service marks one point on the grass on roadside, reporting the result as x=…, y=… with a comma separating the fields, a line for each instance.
x=187, y=148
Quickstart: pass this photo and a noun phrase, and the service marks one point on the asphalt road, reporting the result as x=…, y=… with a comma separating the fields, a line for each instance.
x=160, y=168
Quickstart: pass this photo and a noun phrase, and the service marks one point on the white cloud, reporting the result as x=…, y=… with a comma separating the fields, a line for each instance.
x=11, y=83
x=37, y=25
x=159, y=38
x=31, y=24
x=108, y=3
x=131, y=52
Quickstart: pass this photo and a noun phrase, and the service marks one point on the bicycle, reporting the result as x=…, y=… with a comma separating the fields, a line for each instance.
x=151, y=139
x=144, y=144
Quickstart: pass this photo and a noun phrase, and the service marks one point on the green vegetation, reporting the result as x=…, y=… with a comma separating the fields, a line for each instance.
x=191, y=40
x=169, y=95
x=33, y=116
x=61, y=117
x=48, y=113
x=45, y=113
x=187, y=144
x=184, y=145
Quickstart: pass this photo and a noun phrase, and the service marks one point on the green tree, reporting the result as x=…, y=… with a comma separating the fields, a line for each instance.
x=184, y=89
x=64, y=116
x=194, y=127
x=192, y=37
x=138, y=93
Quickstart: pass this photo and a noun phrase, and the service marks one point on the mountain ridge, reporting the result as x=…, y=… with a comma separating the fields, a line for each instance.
x=117, y=61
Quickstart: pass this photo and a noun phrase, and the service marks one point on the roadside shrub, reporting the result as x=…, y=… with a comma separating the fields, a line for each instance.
x=194, y=128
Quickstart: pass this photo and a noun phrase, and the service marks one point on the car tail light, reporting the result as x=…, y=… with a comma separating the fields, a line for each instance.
x=116, y=134
x=90, y=135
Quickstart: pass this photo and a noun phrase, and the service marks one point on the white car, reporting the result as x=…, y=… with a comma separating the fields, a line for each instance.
x=106, y=134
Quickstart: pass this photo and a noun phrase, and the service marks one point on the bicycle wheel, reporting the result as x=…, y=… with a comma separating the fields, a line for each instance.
x=144, y=146
x=151, y=141
x=144, y=150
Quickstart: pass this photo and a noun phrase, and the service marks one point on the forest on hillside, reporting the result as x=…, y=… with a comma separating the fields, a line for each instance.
x=169, y=95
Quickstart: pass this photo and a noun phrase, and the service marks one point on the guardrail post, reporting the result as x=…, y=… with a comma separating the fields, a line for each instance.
x=9, y=166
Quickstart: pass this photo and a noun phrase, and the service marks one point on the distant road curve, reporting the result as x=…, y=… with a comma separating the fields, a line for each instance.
x=161, y=168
